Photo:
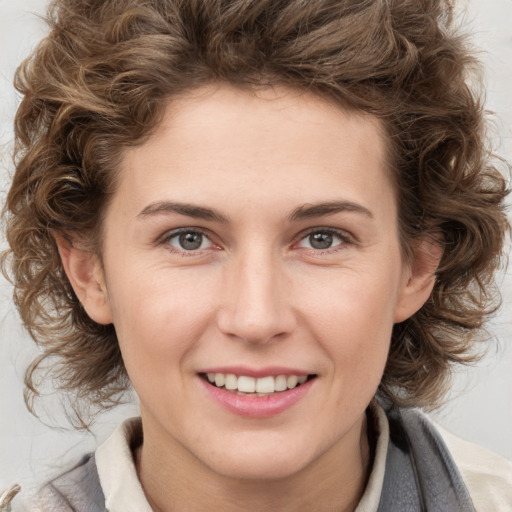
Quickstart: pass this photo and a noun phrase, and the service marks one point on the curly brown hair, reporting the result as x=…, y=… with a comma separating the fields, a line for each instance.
x=97, y=85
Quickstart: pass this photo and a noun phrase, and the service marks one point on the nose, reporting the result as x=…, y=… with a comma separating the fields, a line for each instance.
x=256, y=308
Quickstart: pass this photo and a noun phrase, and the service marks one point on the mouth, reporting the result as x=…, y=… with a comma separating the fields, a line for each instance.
x=244, y=385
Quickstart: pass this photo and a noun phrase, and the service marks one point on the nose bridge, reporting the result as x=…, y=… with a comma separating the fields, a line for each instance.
x=256, y=308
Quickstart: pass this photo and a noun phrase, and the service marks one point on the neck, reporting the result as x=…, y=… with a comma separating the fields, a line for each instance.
x=175, y=480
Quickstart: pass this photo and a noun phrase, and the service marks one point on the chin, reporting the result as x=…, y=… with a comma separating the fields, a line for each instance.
x=260, y=469
x=261, y=463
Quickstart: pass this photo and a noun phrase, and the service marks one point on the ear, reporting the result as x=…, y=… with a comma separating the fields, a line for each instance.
x=85, y=273
x=419, y=279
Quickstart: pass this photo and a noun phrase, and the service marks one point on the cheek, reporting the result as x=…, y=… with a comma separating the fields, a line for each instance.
x=158, y=321
x=354, y=325
x=357, y=344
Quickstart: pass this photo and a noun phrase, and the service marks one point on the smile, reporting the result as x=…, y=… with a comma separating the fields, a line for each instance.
x=256, y=397
x=263, y=386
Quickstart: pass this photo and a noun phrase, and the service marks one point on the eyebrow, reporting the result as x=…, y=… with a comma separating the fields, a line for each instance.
x=311, y=211
x=304, y=212
x=189, y=210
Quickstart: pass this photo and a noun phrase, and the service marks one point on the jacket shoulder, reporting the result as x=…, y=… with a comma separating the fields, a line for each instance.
x=487, y=475
x=76, y=490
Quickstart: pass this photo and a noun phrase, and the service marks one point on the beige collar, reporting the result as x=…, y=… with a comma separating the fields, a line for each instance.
x=123, y=491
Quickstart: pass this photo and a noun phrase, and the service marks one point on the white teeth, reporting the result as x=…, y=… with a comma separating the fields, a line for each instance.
x=265, y=385
x=244, y=384
x=220, y=379
x=280, y=384
x=292, y=381
x=231, y=381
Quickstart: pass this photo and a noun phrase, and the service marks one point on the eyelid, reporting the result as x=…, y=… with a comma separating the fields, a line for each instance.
x=165, y=238
x=344, y=235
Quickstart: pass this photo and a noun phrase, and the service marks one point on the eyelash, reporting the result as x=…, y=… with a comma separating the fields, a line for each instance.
x=166, y=240
x=343, y=237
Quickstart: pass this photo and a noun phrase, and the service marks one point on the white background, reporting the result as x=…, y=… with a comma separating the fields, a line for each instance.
x=481, y=406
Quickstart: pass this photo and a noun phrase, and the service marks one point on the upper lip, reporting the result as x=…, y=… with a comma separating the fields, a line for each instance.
x=272, y=371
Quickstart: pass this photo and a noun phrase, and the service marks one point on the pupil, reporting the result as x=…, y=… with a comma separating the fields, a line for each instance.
x=191, y=241
x=320, y=240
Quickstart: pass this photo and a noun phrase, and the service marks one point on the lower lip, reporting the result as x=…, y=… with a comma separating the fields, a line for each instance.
x=257, y=406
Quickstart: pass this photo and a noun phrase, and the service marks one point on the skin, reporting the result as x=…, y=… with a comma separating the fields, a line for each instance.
x=257, y=293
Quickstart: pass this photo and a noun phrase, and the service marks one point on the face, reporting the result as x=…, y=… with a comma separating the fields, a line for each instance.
x=253, y=242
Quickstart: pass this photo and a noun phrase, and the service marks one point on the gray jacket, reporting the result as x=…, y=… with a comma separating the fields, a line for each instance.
x=420, y=474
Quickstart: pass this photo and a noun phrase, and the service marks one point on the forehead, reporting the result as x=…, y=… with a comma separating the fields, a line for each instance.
x=224, y=109
x=256, y=143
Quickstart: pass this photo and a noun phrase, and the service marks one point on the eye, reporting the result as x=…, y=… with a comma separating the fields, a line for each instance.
x=188, y=240
x=323, y=239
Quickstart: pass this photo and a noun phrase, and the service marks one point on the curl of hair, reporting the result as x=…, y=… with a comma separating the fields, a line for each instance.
x=98, y=82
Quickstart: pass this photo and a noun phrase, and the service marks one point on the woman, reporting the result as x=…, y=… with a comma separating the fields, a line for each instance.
x=279, y=222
